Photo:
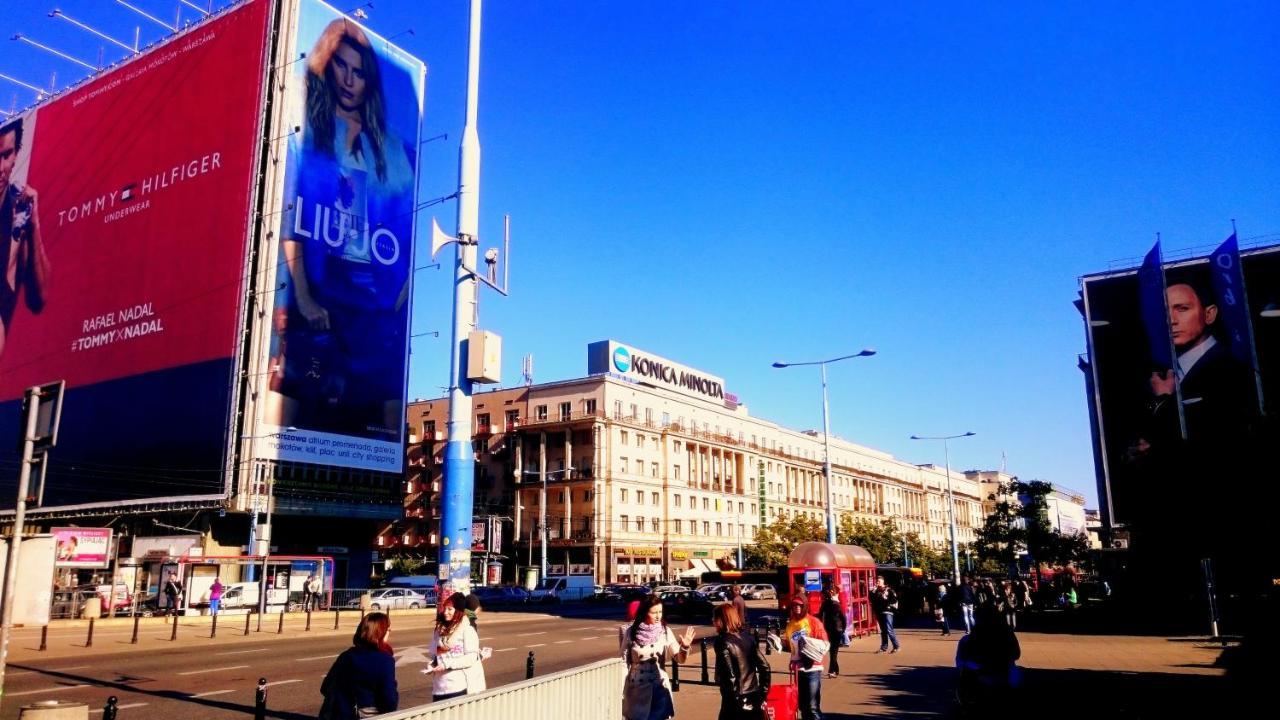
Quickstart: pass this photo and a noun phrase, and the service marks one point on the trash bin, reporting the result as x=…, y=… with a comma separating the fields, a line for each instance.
x=92, y=607
x=54, y=710
x=365, y=602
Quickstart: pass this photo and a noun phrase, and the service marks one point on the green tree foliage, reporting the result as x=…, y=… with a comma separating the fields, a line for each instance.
x=878, y=538
x=774, y=542
x=1020, y=524
x=406, y=566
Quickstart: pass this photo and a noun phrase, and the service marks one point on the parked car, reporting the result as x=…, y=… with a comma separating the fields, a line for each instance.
x=123, y=598
x=687, y=605
x=491, y=597
x=718, y=591
x=396, y=599
x=760, y=591
x=619, y=592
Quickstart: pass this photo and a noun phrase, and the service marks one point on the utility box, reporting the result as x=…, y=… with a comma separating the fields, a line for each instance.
x=484, y=357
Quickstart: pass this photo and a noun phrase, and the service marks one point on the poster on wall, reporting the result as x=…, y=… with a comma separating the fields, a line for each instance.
x=80, y=547
x=339, y=345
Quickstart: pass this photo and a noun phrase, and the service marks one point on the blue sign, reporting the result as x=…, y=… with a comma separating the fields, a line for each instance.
x=622, y=359
x=812, y=580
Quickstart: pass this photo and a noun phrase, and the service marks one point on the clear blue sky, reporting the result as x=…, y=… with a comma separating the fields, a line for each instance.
x=730, y=183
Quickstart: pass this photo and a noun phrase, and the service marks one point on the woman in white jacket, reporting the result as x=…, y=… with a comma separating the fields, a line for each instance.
x=455, y=651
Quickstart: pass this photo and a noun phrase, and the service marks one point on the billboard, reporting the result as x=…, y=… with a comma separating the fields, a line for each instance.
x=126, y=215
x=339, y=335
x=1172, y=440
x=81, y=547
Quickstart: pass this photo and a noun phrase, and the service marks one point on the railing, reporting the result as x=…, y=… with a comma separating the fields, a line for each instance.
x=590, y=692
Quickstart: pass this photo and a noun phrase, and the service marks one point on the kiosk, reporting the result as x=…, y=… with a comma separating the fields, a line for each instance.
x=850, y=567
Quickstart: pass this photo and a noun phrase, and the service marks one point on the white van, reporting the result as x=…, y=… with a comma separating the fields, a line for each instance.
x=244, y=595
x=554, y=588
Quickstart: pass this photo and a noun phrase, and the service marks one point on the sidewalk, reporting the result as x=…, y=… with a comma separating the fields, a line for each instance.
x=1066, y=676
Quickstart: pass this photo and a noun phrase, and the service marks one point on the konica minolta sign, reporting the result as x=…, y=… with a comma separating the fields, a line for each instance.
x=614, y=358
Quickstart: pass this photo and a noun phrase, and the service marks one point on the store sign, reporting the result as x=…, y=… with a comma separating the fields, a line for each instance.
x=614, y=358
x=641, y=551
x=679, y=554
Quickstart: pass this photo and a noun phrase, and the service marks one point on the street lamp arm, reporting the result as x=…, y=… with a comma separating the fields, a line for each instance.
x=865, y=352
x=943, y=437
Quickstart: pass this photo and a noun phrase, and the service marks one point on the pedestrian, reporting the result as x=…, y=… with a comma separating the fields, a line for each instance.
x=215, y=596
x=455, y=651
x=650, y=645
x=739, y=602
x=987, y=660
x=940, y=602
x=742, y=672
x=833, y=621
x=473, y=611
x=310, y=592
x=967, y=598
x=884, y=603
x=805, y=638
x=1010, y=604
x=362, y=681
x=172, y=592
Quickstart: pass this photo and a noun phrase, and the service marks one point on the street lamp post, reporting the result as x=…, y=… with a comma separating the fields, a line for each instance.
x=826, y=431
x=951, y=500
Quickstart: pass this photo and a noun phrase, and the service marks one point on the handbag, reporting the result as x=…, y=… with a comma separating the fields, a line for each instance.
x=814, y=649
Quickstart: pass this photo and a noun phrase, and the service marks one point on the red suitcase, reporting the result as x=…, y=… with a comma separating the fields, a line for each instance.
x=783, y=701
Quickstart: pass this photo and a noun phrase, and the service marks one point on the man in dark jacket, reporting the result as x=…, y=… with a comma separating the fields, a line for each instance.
x=884, y=603
x=966, y=598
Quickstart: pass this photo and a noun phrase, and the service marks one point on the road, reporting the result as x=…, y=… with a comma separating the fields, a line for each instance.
x=199, y=677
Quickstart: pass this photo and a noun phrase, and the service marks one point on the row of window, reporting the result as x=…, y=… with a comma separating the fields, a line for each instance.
x=678, y=527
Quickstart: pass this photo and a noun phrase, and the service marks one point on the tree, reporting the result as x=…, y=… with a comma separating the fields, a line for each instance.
x=878, y=538
x=774, y=542
x=405, y=565
x=1002, y=537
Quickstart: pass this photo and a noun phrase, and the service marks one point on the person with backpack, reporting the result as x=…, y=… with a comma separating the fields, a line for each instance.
x=742, y=672
x=884, y=603
x=362, y=681
x=833, y=621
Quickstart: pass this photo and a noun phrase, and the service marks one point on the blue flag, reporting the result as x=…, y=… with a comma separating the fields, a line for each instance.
x=1155, y=313
x=1233, y=306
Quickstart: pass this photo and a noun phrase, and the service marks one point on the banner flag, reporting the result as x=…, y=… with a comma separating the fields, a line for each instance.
x=1155, y=313
x=1233, y=304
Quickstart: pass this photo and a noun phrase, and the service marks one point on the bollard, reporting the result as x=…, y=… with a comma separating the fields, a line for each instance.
x=260, y=701
x=246, y=622
x=308, y=628
x=675, y=674
x=173, y=635
x=335, y=619
x=705, y=677
x=89, y=641
x=528, y=667
x=213, y=629
x=109, y=710
x=44, y=638
x=280, y=628
x=136, y=619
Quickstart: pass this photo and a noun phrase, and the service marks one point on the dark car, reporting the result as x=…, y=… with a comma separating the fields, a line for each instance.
x=495, y=597
x=619, y=592
x=687, y=605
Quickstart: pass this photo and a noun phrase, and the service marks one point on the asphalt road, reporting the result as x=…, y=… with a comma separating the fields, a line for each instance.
x=199, y=677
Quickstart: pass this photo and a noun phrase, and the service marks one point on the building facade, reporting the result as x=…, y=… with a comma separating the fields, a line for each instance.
x=646, y=470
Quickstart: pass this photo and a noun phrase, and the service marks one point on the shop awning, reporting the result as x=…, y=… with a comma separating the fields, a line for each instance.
x=699, y=566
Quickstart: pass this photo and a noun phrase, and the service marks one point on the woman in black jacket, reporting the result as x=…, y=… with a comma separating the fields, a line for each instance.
x=742, y=672
x=362, y=681
x=833, y=621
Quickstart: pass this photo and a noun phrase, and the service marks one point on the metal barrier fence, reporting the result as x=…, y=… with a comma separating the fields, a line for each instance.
x=590, y=692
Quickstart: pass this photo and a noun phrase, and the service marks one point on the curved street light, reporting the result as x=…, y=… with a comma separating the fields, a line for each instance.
x=951, y=500
x=826, y=430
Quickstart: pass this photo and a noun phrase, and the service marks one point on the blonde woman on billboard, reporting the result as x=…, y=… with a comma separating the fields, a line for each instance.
x=22, y=255
x=346, y=246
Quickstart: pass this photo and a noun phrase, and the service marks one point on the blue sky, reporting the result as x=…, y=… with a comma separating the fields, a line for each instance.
x=730, y=183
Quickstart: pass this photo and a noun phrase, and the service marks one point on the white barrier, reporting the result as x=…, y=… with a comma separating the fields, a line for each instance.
x=589, y=692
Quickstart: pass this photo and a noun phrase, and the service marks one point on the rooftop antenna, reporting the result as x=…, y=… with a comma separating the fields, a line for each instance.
x=133, y=50
x=149, y=16
x=358, y=13
x=528, y=370
x=52, y=51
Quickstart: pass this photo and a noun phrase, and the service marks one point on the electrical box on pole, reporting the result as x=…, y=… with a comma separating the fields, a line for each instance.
x=484, y=357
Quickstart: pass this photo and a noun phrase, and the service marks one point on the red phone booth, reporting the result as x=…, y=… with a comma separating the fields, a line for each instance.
x=850, y=567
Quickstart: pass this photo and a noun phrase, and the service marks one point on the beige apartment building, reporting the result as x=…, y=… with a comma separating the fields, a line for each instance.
x=650, y=470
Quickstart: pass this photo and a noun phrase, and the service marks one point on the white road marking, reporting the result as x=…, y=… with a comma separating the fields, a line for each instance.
x=123, y=707
x=562, y=642
x=592, y=637
x=242, y=652
x=541, y=632
x=212, y=693
x=503, y=649
x=538, y=645
x=318, y=657
x=211, y=670
x=282, y=682
x=73, y=667
x=60, y=688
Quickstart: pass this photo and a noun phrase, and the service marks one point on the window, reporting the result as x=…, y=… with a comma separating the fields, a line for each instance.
x=739, y=507
x=639, y=497
x=653, y=470
x=676, y=499
x=654, y=497
x=624, y=519
x=623, y=466
x=482, y=423
x=624, y=494
x=635, y=412
x=481, y=445
x=693, y=527
x=648, y=416
x=706, y=504
x=639, y=523
x=677, y=529
x=655, y=523
x=639, y=466
x=617, y=409
x=706, y=528
x=719, y=529
x=639, y=440
x=675, y=446
x=513, y=419
x=561, y=500
x=666, y=419
x=589, y=406
x=753, y=507
x=675, y=470
x=540, y=412
x=586, y=496
x=428, y=430
x=623, y=437
x=566, y=410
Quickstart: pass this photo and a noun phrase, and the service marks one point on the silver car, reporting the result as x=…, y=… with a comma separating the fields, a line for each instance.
x=761, y=591
x=395, y=599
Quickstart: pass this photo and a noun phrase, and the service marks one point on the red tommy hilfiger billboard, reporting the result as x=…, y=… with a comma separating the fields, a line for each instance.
x=125, y=218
